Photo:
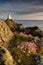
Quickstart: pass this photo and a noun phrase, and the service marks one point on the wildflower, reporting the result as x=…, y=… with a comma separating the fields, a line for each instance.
x=18, y=46
x=28, y=47
x=19, y=60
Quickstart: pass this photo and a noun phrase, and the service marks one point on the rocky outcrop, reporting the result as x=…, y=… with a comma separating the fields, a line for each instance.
x=5, y=33
x=34, y=31
x=18, y=28
x=5, y=36
x=13, y=25
x=5, y=57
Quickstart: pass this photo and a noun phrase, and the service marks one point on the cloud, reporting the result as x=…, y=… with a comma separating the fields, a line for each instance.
x=31, y=11
x=34, y=16
x=20, y=8
x=29, y=1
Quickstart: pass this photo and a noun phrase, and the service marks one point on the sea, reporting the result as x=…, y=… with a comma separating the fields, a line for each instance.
x=31, y=23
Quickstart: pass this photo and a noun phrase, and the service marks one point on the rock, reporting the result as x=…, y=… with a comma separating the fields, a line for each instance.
x=5, y=57
x=34, y=31
x=12, y=24
x=5, y=33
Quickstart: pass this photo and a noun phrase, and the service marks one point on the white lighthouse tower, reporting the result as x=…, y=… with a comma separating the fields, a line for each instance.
x=9, y=16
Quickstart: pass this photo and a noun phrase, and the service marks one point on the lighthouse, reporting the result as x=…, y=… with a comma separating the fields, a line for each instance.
x=9, y=16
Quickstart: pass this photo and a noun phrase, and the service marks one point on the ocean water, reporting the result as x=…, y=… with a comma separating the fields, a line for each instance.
x=31, y=23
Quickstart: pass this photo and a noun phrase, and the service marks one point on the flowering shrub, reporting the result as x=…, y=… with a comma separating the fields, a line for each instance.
x=24, y=56
x=27, y=47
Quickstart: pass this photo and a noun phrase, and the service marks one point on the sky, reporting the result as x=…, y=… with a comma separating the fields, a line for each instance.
x=22, y=9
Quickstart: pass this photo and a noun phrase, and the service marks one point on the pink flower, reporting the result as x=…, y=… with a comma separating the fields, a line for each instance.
x=29, y=35
x=19, y=60
x=29, y=51
x=22, y=34
x=18, y=46
x=27, y=47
